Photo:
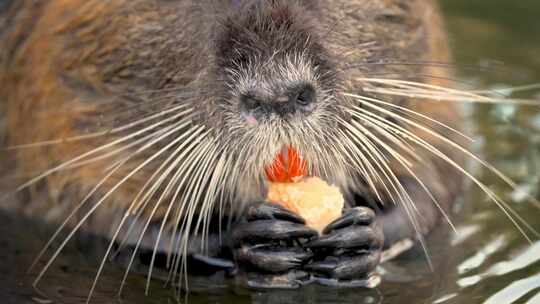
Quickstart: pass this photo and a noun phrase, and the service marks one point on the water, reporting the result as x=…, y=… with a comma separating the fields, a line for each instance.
x=487, y=261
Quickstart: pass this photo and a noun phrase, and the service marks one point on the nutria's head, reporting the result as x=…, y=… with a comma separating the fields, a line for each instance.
x=275, y=85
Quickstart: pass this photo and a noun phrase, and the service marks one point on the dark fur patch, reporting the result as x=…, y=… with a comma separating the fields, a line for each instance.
x=270, y=29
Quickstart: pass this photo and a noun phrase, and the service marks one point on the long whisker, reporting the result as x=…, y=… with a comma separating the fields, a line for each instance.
x=126, y=216
x=93, y=151
x=512, y=215
x=70, y=216
x=381, y=123
x=373, y=172
x=400, y=191
x=439, y=64
x=195, y=156
x=134, y=253
x=487, y=165
x=82, y=203
x=509, y=90
x=211, y=188
x=418, y=114
x=127, y=147
x=201, y=177
x=434, y=92
x=118, y=117
x=198, y=131
x=212, y=196
x=209, y=156
x=414, y=76
x=96, y=205
x=369, y=102
x=144, y=195
x=101, y=133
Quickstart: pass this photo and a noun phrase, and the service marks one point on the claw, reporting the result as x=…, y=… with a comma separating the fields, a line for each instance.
x=265, y=230
x=290, y=280
x=350, y=237
x=324, y=267
x=267, y=211
x=353, y=216
x=273, y=260
x=357, y=267
x=346, y=268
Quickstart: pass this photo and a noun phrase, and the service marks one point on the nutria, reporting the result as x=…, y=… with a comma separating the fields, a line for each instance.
x=151, y=122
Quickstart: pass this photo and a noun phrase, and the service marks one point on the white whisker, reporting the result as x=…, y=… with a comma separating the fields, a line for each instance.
x=98, y=134
x=433, y=92
x=415, y=113
x=93, y=151
x=381, y=123
x=209, y=155
x=510, y=213
x=360, y=132
x=200, y=128
x=128, y=213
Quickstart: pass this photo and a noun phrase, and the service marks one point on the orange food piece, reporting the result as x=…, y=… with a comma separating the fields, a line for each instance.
x=311, y=198
x=287, y=167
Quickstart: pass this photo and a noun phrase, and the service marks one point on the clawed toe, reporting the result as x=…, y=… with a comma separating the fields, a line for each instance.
x=349, y=251
x=290, y=280
x=268, y=247
x=271, y=230
x=272, y=260
x=349, y=237
x=346, y=267
x=272, y=212
x=353, y=216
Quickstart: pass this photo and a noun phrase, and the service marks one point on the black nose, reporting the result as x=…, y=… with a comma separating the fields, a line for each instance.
x=302, y=96
x=299, y=98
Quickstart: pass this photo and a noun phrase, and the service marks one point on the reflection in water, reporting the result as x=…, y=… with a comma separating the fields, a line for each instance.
x=487, y=261
x=525, y=259
x=480, y=257
x=516, y=290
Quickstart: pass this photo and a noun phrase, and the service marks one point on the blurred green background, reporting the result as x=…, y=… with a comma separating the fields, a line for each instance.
x=505, y=31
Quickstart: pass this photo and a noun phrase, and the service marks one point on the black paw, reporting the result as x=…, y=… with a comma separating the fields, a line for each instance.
x=268, y=247
x=348, y=251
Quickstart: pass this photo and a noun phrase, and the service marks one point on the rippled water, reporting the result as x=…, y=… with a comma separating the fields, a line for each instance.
x=496, y=44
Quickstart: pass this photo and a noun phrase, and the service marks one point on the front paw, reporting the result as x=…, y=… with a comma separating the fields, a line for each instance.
x=348, y=251
x=268, y=247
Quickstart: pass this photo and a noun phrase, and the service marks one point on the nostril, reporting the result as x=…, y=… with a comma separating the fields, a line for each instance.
x=305, y=95
x=250, y=103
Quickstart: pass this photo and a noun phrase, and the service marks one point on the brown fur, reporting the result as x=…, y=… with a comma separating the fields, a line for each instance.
x=64, y=63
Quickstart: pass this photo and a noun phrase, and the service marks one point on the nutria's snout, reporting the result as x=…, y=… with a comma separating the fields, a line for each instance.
x=274, y=69
x=294, y=99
